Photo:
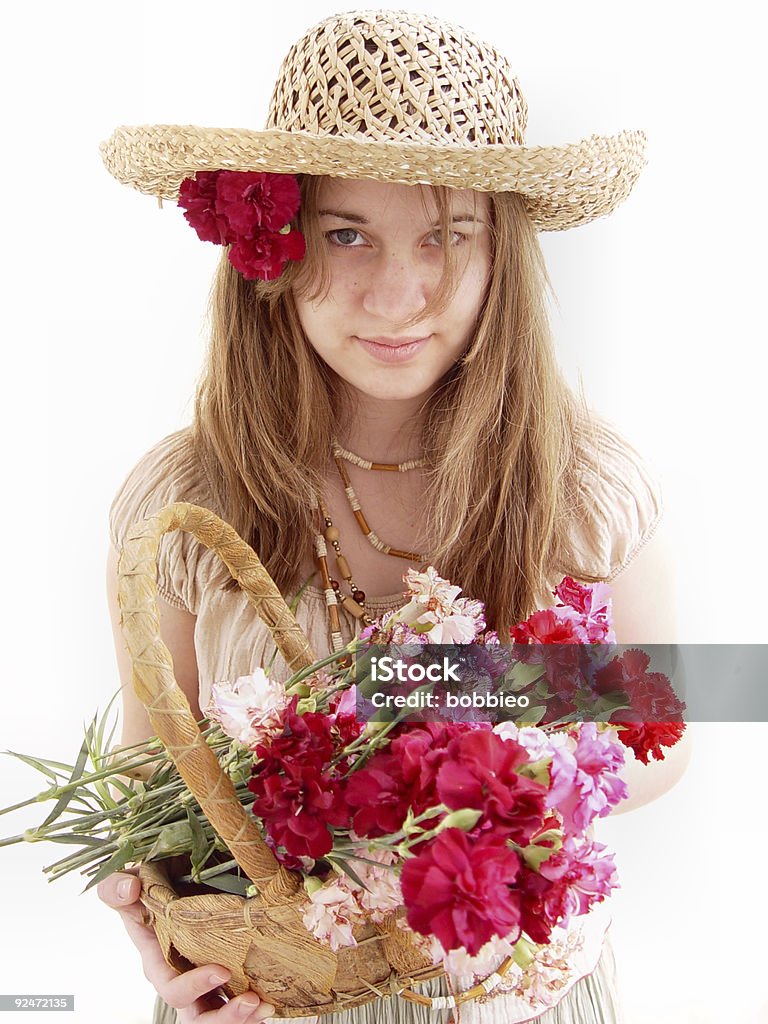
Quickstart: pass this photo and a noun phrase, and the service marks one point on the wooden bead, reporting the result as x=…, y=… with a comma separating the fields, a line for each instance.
x=353, y=607
x=332, y=534
x=343, y=567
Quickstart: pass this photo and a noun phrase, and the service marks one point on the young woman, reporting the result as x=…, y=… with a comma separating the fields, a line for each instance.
x=405, y=327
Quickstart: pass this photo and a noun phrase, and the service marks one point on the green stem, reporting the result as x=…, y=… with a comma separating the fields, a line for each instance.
x=217, y=869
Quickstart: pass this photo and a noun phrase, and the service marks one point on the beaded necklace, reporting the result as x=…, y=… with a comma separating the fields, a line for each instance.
x=327, y=534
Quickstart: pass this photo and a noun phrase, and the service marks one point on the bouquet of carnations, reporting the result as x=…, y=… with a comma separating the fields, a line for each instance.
x=464, y=840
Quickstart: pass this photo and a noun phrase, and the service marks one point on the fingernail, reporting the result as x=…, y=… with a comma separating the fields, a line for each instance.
x=218, y=977
x=124, y=888
x=248, y=1006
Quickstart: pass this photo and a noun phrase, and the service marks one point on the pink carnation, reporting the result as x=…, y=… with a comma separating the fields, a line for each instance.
x=250, y=709
x=585, y=779
x=331, y=915
x=590, y=605
x=582, y=875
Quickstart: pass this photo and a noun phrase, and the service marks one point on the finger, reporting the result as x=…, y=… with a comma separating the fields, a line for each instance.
x=119, y=888
x=247, y=1007
x=184, y=990
x=121, y=891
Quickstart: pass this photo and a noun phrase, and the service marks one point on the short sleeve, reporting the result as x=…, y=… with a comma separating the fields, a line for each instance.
x=169, y=472
x=620, y=502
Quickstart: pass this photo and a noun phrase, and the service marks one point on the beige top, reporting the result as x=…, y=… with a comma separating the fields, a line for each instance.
x=623, y=510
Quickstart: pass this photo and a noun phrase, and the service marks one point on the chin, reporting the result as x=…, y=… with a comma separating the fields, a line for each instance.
x=392, y=391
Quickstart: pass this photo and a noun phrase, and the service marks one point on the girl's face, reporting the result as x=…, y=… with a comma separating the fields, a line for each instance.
x=385, y=263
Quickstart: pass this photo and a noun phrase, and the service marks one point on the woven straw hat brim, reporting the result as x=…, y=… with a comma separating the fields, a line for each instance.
x=564, y=186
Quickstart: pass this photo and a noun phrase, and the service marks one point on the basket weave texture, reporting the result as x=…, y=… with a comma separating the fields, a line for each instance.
x=261, y=940
x=394, y=97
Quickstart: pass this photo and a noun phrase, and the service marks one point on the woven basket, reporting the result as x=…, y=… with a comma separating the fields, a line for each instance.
x=261, y=940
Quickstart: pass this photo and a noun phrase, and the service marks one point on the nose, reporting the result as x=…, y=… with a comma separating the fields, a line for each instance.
x=397, y=288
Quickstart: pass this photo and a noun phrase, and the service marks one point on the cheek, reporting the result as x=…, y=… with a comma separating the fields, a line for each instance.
x=471, y=292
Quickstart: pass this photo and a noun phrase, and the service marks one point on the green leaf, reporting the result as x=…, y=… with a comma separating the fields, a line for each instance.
x=73, y=840
x=77, y=772
x=39, y=766
x=100, y=746
x=537, y=770
x=520, y=676
x=229, y=883
x=201, y=848
x=531, y=716
x=126, y=790
x=173, y=839
x=116, y=862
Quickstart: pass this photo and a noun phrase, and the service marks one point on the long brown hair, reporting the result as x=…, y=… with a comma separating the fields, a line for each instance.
x=499, y=430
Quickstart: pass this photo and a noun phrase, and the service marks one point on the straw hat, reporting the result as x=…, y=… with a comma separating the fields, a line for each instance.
x=396, y=97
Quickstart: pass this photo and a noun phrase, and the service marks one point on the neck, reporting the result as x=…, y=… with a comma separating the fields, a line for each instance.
x=385, y=431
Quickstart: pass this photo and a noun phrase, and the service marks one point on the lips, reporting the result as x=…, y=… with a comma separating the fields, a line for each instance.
x=392, y=342
x=393, y=350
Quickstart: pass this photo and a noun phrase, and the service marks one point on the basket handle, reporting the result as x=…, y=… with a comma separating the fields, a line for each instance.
x=156, y=687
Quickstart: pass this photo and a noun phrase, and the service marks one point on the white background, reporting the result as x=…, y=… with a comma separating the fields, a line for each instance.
x=660, y=320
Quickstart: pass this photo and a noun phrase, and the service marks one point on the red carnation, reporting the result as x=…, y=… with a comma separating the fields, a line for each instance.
x=481, y=772
x=198, y=197
x=403, y=776
x=304, y=737
x=256, y=202
x=545, y=627
x=263, y=258
x=646, y=738
x=458, y=890
x=296, y=794
x=378, y=797
x=422, y=749
x=247, y=210
x=298, y=803
x=650, y=694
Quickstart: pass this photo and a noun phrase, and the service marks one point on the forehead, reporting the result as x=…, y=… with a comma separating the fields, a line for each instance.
x=373, y=199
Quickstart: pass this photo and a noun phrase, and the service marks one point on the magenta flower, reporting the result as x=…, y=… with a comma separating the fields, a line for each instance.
x=585, y=781
x=582, y=875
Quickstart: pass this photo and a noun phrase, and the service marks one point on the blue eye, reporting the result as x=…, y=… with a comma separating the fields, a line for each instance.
x=345, y=238
x=436, y=238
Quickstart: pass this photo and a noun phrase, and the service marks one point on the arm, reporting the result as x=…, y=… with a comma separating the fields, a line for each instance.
x=644, y=613
x=177, y=628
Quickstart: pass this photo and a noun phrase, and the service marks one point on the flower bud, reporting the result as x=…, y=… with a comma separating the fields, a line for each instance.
x=465, y=819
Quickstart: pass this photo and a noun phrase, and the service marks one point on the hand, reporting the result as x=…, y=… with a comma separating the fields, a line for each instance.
x=193, y=994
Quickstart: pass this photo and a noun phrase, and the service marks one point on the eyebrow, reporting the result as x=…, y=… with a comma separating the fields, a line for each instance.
x=356, y=218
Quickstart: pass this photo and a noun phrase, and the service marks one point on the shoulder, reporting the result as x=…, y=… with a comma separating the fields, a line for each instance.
x=172, y=470
x=619, y=501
